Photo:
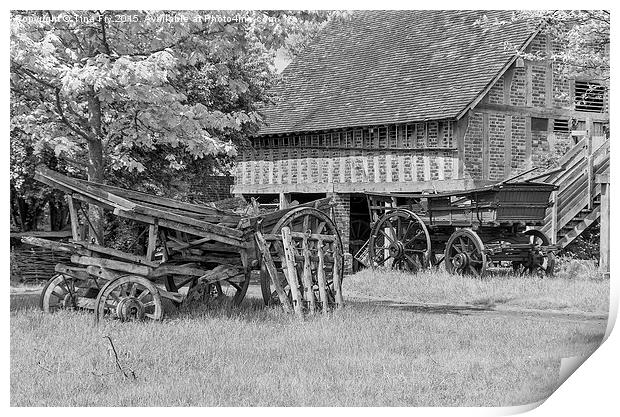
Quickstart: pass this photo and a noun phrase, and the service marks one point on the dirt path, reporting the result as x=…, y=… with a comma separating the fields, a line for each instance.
x=468, y=310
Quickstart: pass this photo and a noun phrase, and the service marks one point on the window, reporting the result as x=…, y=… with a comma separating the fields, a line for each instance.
x=560, y=125
x=589, y=96
x=539, y=125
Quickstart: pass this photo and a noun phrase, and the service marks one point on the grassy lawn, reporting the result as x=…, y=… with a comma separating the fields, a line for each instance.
x=576, y=287
x=364, y=355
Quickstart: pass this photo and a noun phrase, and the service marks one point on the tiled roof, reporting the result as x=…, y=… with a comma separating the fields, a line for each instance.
x=381, y=67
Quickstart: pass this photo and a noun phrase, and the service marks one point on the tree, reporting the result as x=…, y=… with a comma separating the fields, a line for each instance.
x=583, y=34
x=110, y=91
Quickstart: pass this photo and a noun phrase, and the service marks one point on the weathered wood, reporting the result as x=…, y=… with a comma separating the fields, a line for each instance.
x=300, y=235
x=263, y=248
x=118, y=254
x=162, y=201
x=336, y=276
x=590, y=161
x=508, y=146
x=209, y=227
x=51, y=244
x=59, y=234
x=131, y=268
x=321, y=277
x=554, y=218
x=181, y=228
x=307, y=271
x=542, y=112
x=152, y=240
x=290, y=271
x=80, y=273
x=604, y=263
x=103, y=273
x=73, y=217
x=485, y=146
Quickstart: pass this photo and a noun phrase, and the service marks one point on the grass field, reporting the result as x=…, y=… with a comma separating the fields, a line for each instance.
x=364, y=355
x=576, y=287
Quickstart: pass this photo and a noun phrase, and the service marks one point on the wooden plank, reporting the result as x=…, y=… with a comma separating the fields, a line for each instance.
x=118, y=254
x=263, y=248
x=181, y=228
x=162, y=201
x=528, y=142
x=554, y=218
x=131, y=268
x=53, y=245
x=84, y=189
x=152, y=240
x=307, y=274
x=73, y=217
x=336, y=276
x=485, y=146
x=461, y=130
x=209, y=227
x=542, y=112
x=321, y=277
x=507, y=146
x=605, y=226
x=301, y=235
x=290, y=271
x=59, y=234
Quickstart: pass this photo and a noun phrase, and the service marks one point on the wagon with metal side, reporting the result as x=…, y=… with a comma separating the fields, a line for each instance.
x=469, y=231
x=186, y=253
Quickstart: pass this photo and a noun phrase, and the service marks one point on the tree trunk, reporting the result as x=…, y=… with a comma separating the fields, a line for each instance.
x=95, y=166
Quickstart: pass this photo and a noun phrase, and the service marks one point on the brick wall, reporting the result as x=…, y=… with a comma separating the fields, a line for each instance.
x=496, y=150
x=342, y=218
x=473, y=147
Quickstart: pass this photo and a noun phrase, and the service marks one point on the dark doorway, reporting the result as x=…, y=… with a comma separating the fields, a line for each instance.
x=359, y=231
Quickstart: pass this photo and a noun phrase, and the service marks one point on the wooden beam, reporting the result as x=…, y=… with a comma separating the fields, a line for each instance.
x=321, y=277
x=307, y=274
x=485, y=146
x=528, y=143
x=263, y=249
x=542, y=112
x=605, y=224
x=73, y=216
x=507, y=146
x=152, y=240
x=290, y=271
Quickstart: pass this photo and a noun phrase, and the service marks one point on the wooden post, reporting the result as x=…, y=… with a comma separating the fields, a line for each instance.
x=336, y=271
x=307, y=275
x=290, y=271
x=554, y=218
x=75, y=225
x=590, y=160
x=321, y=276
x=603, y=179
x=271, y=270
x=285, y=200
x=153, y=232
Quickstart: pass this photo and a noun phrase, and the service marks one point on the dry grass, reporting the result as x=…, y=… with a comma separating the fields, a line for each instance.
x=363, y=355
x=576, y=287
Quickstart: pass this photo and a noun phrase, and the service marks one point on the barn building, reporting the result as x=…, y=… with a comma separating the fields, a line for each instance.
x=412, y=101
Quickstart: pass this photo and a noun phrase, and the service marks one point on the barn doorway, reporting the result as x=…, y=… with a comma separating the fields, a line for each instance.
x=359, y=230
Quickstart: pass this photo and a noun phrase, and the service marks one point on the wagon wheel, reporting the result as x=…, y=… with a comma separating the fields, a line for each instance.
x=465, y=253
x=539, y=262
x=129, y=298
x=400, y=240
x=179, y=284
x=302, y=219
x=358, y=235
x=63, y=292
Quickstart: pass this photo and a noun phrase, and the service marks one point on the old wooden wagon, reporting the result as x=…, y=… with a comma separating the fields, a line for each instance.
x=467, y=230
x=189, y=252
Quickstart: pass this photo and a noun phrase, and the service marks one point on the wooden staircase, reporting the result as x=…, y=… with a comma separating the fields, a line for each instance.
x=577, y=203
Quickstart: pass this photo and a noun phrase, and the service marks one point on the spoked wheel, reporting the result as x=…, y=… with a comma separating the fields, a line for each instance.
x=400, y=240
x=465, y=253
x=304, y=219
x=539, y=262
x=66, y=292
x=129, y=298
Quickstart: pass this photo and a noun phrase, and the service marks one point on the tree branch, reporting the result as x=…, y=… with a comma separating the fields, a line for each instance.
x=66, y=121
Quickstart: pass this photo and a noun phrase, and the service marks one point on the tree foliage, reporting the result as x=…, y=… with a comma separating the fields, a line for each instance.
x=142, y=95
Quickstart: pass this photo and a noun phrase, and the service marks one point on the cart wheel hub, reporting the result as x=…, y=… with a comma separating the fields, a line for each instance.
x=397, y=250
x=67, y=302
x=130, y=308
x=461, y=260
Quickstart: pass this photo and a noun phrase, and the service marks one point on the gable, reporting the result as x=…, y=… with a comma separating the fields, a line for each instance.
x=384, y=67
